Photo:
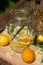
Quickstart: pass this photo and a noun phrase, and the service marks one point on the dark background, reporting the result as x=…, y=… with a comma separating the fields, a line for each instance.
x=6, y=4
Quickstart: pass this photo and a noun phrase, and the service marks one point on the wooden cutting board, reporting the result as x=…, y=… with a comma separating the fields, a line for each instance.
x=15, y=58
x=3, y=62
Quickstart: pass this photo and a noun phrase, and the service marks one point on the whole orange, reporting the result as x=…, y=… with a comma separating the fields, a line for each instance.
x=28, y=55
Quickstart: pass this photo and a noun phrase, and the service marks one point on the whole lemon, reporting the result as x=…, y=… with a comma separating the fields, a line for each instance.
x=4, y=39
x=28, y=55
x=40, y=38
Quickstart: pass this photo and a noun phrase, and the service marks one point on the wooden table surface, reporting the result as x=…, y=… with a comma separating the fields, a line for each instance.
x=3, y=62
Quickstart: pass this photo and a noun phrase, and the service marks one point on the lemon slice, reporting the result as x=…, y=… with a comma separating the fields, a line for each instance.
x=23, y=33
x=26, y=41
x=17, y=46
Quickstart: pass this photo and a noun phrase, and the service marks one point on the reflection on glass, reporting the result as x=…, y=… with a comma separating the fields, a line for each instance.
x=36, y=27
x=36, y=14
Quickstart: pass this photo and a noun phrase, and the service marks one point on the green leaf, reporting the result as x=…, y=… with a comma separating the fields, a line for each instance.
x=41, y=46
x=42, y=61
